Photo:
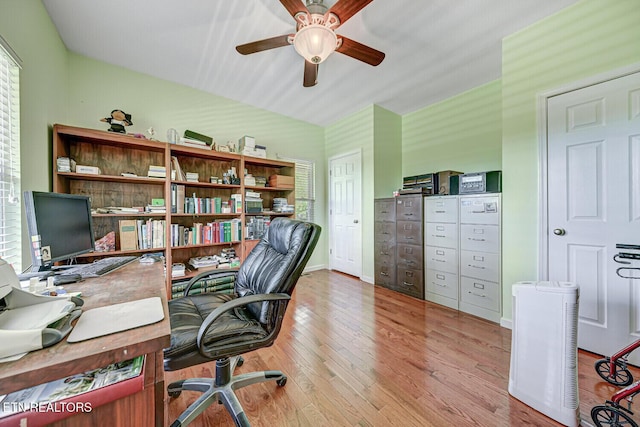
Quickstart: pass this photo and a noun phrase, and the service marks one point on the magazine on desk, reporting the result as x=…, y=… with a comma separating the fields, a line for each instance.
x=74, y=385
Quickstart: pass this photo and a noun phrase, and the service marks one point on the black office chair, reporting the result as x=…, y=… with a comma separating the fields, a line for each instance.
x=223, y=325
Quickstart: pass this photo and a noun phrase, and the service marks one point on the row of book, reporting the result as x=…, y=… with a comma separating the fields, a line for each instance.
x=213, y=284
x=206, y=233
x=203, y=205
x=138, y=234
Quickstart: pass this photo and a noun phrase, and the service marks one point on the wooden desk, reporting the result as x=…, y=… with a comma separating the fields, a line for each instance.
x=146, y=408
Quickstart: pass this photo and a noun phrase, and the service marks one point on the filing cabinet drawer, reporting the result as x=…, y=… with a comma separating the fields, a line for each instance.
x=386, y=276
x=441, y=209
x=482, y=265
x=484, y=238
x=480, y=210
x=386, y=251
x=480, y=293
x=441, y=259
x=410, y=256
x=441, y=283
x=441, y=234
x=410, y=282
x=409, y=208
x=385, y=210
x=385, y=231
x=409, y=232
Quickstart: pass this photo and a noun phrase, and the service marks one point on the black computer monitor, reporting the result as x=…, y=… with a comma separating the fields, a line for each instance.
x=59, y=225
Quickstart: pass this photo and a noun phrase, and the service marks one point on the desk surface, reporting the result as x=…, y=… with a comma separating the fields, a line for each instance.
x=132, y=282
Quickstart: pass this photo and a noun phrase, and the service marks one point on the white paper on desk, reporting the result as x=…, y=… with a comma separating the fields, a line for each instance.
x=114, y=318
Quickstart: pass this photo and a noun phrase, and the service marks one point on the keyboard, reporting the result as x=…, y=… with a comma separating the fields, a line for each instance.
x=101, y=266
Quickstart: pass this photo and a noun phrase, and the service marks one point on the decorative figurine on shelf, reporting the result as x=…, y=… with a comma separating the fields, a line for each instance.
x=118, y=120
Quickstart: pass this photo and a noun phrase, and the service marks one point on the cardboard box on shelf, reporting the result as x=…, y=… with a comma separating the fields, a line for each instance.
x=281, y=181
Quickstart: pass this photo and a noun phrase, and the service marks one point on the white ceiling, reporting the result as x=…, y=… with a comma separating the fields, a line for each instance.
x=434, y=49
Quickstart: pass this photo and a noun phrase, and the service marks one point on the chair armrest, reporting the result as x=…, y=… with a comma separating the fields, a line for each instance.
x=212, y=274
x=230, y=305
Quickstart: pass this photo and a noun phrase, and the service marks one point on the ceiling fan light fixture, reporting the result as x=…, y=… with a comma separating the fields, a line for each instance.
x=315, y=42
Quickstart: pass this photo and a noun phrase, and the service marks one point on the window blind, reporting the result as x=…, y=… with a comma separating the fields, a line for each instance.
x=305, y=194
x=10, y=223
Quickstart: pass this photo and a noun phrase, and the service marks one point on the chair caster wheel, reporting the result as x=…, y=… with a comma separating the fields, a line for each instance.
x=281, y=382
x=240, y=362
x=174, y=394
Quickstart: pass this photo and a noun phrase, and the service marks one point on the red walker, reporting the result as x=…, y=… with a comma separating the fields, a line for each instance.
x=614, y=369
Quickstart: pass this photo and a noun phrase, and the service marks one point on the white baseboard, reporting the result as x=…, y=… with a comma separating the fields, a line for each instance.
x=506, y=323
x=311, y=268
x=368, y=279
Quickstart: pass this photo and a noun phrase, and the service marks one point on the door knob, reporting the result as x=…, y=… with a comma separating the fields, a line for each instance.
x=559, y=231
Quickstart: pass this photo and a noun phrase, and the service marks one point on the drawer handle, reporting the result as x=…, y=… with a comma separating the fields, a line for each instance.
x=439, y=284
x=408, y=214
x=440, y=276
x=382, y=273
x=477, y=211
x=477, y=266
x=409, y=237
x=478, y=285
x=384, y=211
x=477, y=240
x=441, y=211
x=407, y=284
x=439, y=252
x=408, y=261
x=438, y=235
x=438, y=260
x=385, y=232
x=477, y=295
x=384, y=253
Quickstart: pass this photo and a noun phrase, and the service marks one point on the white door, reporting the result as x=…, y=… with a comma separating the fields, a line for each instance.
x=594, y=203
x=345, y=246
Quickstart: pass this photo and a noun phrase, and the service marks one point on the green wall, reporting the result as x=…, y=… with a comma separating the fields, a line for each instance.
x=44, y=82
x=462, y=133
x=387, y=154
x=583, y=40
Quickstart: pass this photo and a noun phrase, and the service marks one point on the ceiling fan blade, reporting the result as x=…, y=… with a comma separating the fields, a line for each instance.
x=266, y=44
x=345, y=9
x=310, y=74
x=294, y=6
x=360, y=52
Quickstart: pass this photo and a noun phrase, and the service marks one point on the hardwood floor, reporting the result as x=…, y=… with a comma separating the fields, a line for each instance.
x=360, y=355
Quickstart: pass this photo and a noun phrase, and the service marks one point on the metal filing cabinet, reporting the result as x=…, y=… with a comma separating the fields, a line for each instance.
x=385, y=242
x=441, y=250
x=409, y=249
x=480, y=256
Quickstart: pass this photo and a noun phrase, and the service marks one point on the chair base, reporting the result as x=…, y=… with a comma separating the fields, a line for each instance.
x=221, y=389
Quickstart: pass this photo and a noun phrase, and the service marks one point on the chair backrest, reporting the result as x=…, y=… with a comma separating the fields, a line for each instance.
x=277, y=261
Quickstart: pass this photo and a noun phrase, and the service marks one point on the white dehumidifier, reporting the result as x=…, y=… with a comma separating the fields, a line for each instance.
x=544, y=349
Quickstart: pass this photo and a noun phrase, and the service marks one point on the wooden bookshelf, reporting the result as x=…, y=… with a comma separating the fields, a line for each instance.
x=117, y=153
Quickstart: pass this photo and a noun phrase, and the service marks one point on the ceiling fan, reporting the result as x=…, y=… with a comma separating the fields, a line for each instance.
x=315, y=38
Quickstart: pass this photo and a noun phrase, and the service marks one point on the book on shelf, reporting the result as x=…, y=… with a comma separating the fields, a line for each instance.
x=179, y=174
x=178, y=269
x=121, y=209
x=151, y=233
x=156, y=171
x=177, y=198
x=128, y=234
x=188, y=142
x=191, y=135
x=192, y=176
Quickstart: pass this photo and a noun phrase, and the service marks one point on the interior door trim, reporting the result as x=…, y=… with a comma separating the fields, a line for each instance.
x=543, y=140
